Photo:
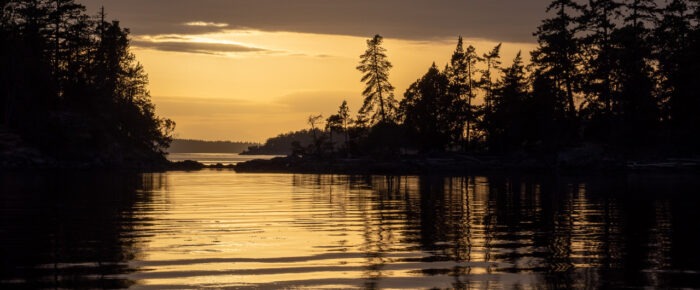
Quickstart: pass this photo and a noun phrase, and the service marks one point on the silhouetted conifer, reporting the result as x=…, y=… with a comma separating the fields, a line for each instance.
x=506, y=124
x=677, y=54
x=557, y=55
x=432, y=114
x=345, y=120
x=639, y=114
x=461, y=71
x=379, y=99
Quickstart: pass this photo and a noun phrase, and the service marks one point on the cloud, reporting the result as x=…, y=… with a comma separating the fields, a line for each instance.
x=499, y=20
x=205, y=24
x=197, y=47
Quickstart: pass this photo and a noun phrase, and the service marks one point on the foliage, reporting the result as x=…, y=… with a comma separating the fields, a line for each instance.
x=71, y=86
x=379, y=100
x=432, y=112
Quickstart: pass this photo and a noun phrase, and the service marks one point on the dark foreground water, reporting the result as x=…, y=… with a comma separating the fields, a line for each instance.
x=222, y=229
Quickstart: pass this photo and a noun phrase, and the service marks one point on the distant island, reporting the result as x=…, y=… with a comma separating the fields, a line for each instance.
x=201, y=146
x=282, y=144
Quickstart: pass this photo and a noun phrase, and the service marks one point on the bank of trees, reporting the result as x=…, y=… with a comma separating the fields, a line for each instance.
x=70, y=85
x=624, y=74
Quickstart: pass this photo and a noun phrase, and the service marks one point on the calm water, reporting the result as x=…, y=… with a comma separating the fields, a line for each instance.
x=221, y=229
x=214, y=158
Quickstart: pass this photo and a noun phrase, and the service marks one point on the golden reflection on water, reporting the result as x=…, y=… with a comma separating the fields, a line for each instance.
x=216, y=228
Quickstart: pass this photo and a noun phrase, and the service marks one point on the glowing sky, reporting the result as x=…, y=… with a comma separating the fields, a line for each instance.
x=249, y=70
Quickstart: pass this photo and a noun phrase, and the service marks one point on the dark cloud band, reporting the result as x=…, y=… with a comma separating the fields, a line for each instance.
x=500, y=20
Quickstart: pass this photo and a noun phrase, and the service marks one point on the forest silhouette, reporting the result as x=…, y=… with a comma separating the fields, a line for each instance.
x=72, y=90
x=617, y=76
x=621, y=76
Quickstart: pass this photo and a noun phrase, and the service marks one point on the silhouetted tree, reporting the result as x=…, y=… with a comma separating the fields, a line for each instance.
x=460, y=72
x=598, y=19
x=506, y=124
x=493, y=63
x=66, y=17
x=557, y=53
x=471, y=59
x=313, y=121
x=677, y=55
x=557, y=61
x=345, y=120
x=487, y=84
x=632, y=68
x=379, y=93
x=334, y=123
x=432, y=113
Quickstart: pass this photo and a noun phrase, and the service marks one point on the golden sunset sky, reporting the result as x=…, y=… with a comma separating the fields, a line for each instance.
x=249, y=70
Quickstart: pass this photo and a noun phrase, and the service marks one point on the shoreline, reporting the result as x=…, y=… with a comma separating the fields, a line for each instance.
x=454, y=165
x=457, y=164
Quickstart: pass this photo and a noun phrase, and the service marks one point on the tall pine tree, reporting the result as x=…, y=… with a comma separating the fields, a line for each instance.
x=379, y=93
x=557, y=59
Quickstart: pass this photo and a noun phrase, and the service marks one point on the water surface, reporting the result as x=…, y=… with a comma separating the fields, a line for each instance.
x=221, y=229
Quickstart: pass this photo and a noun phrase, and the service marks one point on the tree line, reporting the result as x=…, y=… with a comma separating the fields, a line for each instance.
x=623, y=74
x=71, y=86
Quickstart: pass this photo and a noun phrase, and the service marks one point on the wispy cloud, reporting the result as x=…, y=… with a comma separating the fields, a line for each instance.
x=186, y=46
x=206, y=24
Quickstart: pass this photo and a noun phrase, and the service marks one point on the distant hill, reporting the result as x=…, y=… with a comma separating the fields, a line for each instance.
x=281, y=144
x=200, y=146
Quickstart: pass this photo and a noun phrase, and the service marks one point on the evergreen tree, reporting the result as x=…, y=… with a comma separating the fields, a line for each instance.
x=344, y=116
x=63, y=16
x=632, y=55
x=432, y=114
x=506, y=124
x=598, y=19
x=493, y=62
x=471, y=59
x=456, y=70
x=677, y=55
x=557, y=56
x=457, y=73
x=461, y=71
x=379, y=97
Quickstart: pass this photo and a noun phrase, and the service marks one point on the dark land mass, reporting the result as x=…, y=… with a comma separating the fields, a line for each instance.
x=572, y=161
x=201, y=146
x=72, y=94
x=16, y=154
x=281, y=144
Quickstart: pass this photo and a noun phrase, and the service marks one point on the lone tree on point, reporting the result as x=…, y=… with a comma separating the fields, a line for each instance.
x=379, y=96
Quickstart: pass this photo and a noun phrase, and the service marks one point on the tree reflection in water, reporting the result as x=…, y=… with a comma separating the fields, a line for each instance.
x=93, y=230
x=71, y=230
x=561, y=232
